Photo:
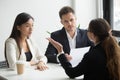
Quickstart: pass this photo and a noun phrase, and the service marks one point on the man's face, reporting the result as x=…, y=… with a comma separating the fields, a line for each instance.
x=69, y=22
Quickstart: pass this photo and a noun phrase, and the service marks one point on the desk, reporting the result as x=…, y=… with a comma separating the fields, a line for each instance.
x=55, y=72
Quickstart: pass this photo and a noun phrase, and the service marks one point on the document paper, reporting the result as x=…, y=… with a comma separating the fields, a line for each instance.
x=77, y=55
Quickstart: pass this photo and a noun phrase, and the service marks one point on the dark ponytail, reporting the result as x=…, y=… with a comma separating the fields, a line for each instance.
x=100, y=28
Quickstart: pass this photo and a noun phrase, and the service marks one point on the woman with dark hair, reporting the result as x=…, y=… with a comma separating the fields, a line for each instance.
x=20, y=46
x=102, y=61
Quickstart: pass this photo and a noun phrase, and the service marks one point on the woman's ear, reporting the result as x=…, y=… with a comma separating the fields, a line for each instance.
x=90, y=36
x=18, y=28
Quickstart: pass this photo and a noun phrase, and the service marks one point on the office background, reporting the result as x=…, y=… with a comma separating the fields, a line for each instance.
x=45, y=13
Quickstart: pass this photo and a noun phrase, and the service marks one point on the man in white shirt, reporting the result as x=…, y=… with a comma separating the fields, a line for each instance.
x=69, y=36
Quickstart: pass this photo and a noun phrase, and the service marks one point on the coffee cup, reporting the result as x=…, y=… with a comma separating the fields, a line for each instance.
x=20, y=67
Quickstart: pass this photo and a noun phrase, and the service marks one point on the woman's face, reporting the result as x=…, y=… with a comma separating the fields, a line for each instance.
x=26, y=28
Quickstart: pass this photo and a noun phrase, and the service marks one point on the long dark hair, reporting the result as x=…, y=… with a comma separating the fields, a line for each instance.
x=101, y=29
x=20, y=19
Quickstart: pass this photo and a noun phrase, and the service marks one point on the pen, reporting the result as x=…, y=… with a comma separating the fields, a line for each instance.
x=79, y=26
x=48, y=32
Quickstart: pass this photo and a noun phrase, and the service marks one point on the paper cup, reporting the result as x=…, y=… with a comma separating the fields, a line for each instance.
x=20, y=67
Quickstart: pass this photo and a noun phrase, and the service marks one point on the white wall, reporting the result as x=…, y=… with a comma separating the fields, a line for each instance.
x=46, y=17
x=85, y=11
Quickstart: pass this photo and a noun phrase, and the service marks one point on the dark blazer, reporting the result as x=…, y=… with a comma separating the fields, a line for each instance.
x=61, y=36
x=92, y=66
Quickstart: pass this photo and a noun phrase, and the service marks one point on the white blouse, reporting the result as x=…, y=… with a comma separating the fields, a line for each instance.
x=12, y=53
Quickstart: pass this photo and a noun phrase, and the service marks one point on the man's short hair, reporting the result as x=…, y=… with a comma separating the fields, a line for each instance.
x=65, y=10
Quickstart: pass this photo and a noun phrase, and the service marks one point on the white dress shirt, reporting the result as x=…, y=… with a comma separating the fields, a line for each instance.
x=72, y=41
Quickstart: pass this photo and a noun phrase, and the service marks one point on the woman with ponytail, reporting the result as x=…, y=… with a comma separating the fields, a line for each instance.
x=101, y=62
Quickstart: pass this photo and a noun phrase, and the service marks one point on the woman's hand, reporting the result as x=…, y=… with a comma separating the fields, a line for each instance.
x=69, y=57
x=59, y=47
x=32, y=63
x=56, y=44
x=42, y=66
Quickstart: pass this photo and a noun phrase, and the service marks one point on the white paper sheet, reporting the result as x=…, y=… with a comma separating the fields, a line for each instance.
x=77, y=55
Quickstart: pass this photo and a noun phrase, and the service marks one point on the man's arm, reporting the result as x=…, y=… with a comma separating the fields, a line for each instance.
x=51, y=54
